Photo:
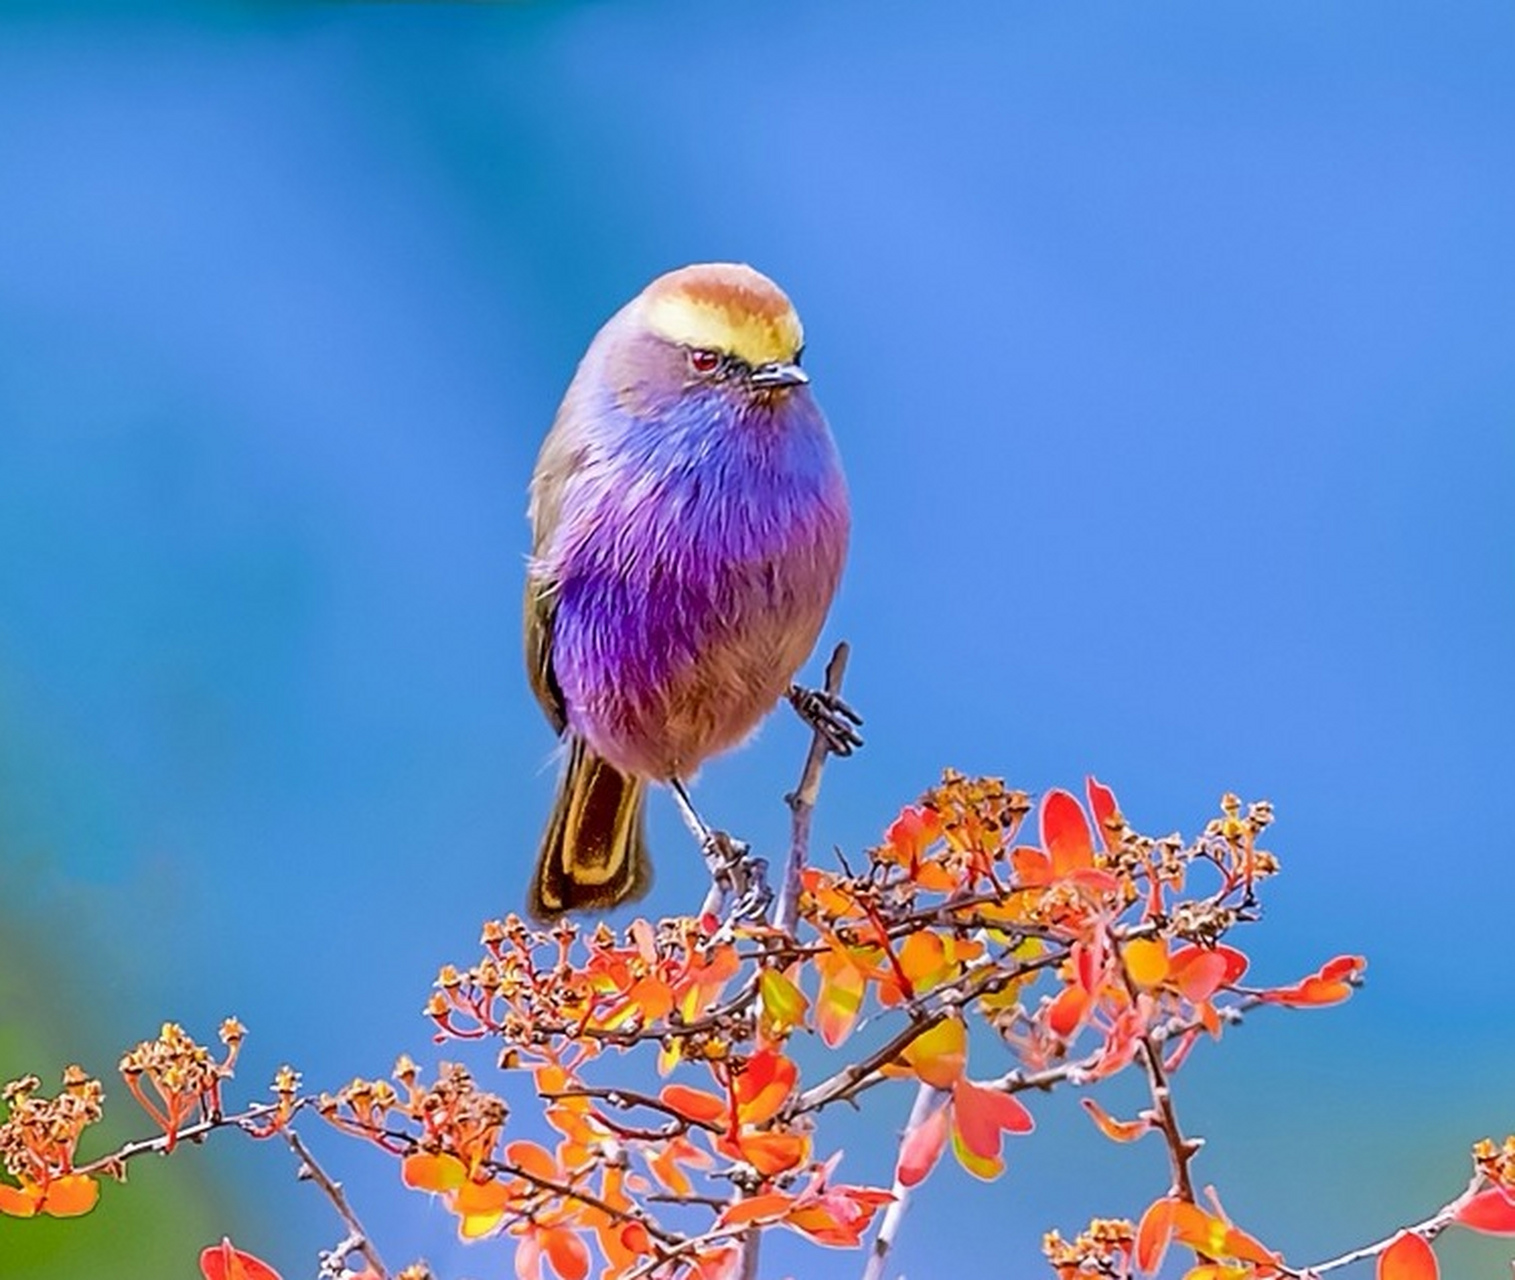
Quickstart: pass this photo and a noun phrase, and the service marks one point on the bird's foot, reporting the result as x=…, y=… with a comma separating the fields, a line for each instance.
x=739, y=890
x=830, y=716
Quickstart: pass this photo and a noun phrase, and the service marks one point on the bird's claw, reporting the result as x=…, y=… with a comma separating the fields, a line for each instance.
x=830, y=716
x=739, y=881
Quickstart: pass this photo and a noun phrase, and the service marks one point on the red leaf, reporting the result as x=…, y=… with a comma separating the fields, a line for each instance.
x=1408, y=1258
x=1102, y=805
x=1068, y=1011
x=223, y=1262
x=1065, y=833
x=922, y=1148
x=568, y=1254
x=1198, y=972
x=1327, y=986
x=1490, y=1211
x=981, y=1115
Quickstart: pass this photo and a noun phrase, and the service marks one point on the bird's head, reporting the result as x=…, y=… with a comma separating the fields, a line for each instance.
x=721, y=327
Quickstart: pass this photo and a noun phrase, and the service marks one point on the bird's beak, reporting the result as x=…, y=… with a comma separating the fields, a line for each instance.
x=778, y=373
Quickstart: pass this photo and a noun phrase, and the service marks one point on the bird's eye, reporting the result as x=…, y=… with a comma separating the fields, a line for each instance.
x=702, y=361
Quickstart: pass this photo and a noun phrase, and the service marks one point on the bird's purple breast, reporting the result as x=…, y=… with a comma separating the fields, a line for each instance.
x=695, y=561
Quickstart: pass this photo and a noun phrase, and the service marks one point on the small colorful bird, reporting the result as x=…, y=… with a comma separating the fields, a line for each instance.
x=690, y=521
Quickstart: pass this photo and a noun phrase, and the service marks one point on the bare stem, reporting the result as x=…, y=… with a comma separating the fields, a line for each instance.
x=1427, y=1230
x=1181, y=1150
x=926, y=1098
x=190, y=1133
x=802, y=803
x=357, y=1238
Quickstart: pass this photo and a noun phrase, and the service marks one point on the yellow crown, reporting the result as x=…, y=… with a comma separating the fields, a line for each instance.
x=726, y=307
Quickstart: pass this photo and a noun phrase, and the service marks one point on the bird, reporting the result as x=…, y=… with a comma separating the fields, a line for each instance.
x=690, y=523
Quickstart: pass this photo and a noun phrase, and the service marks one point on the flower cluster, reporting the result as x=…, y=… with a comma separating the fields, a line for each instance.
x=37, y=1142
x=184, y=1079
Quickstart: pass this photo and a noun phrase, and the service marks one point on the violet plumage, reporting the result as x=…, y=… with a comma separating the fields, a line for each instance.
x=690, y=524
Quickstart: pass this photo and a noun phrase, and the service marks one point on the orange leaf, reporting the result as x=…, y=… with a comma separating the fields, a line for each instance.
x=1408, y=1258
x=820, y=1223
x=923, y=957
x=436, y=1173
x=718, y=1264
x=763, y=1086
x=840, y=997
x=939, y=1055
x=1147, y=961
x=655, y=999
x=693, y=1104
x=19, y=1202
x=71, y=1195
x=1065, y=833
x=1115, y=1130
x=1203, y=1232
x=913, y=832
x=768, y=1153
x=481, y=1208
x=773, y=1206
x=1490, y=1211
x=1154, y=1234
x=981, y=1115
x=531, y=1159
x=922, y=1147
x=568, y=1254
x=223, y=1262
x=1032, y=867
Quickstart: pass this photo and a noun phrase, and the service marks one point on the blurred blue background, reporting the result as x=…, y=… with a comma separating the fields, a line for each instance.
x=1169, y=351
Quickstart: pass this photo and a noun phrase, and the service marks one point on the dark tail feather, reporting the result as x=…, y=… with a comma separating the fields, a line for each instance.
x=594, y=854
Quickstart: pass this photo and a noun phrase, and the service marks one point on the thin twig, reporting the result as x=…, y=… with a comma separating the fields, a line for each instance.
x=926, y=1099
x=357, y=1238
x=802, y=803
x=190, y=1133
x=1181, y=1150
x=1427, y=1230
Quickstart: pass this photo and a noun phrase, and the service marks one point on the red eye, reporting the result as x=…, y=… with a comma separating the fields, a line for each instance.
x=704, y=361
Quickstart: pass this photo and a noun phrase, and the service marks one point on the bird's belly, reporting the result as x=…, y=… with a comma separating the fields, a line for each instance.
x=660, y=675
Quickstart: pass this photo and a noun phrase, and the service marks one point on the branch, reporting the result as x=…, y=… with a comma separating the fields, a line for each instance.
x=357, y=1238
x=857, y=1076
x=1181, y=1150
x=926, y=1097
x=1427, y=1230
x=802, y=800
x=245, y=1120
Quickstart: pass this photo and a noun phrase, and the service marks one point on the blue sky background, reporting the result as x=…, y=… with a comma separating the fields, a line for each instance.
x=1169, y=352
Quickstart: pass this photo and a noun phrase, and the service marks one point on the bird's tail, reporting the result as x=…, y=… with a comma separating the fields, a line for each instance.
x=594, y=854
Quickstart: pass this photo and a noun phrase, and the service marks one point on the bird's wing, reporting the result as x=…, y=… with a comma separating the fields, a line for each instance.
x=559, y=459
x=541, y=608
